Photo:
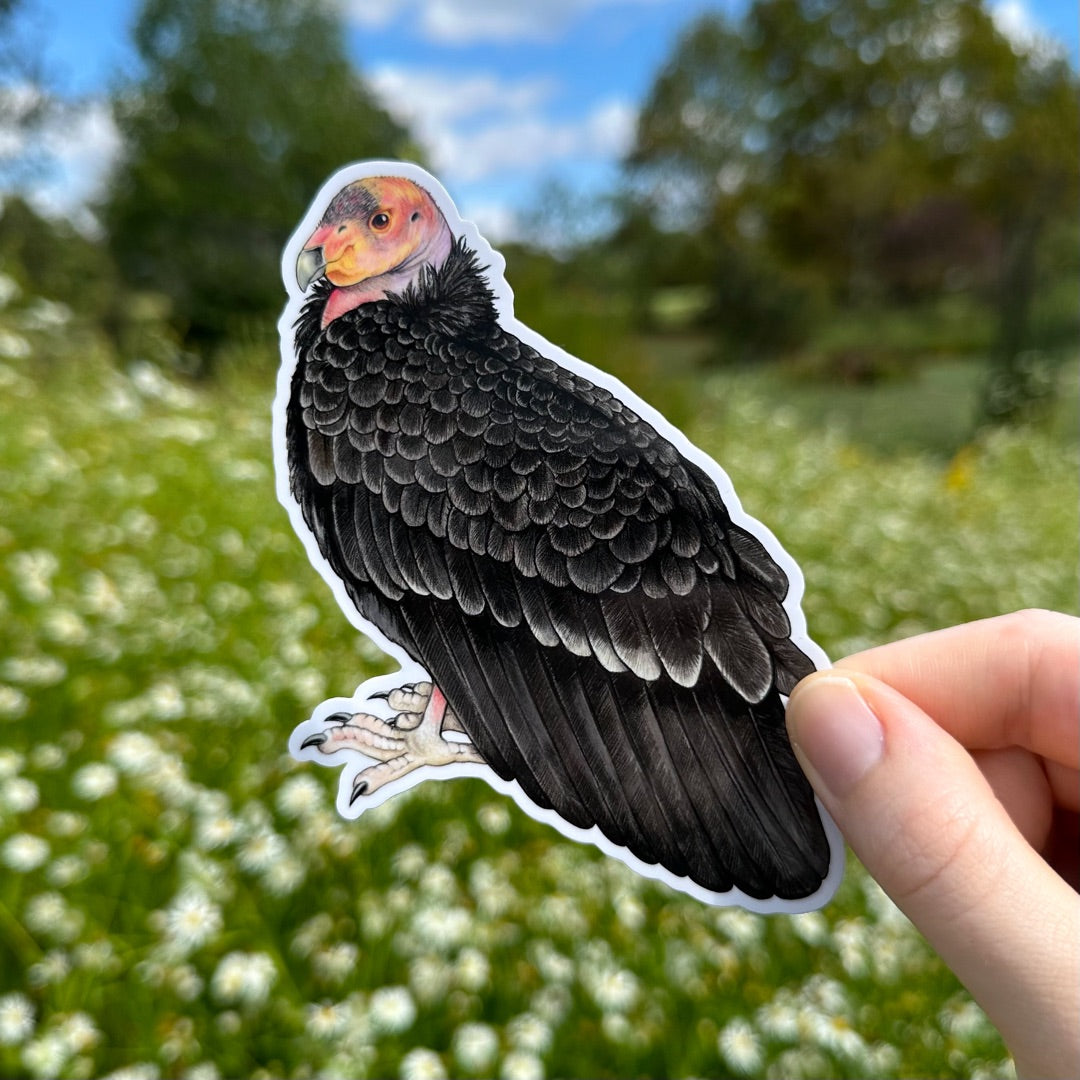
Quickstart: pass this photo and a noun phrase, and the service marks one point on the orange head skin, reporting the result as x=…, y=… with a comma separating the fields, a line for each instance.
x=375, y=237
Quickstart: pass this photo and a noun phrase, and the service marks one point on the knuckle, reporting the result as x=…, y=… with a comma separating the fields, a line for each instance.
x=941, y=852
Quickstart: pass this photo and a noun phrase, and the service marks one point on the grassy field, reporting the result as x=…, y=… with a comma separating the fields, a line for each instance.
x=178, y=898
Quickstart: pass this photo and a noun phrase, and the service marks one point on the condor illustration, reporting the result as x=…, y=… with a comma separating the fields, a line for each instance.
x=583, y=614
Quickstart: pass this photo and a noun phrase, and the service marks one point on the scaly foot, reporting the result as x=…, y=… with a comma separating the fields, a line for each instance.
x=411, y=738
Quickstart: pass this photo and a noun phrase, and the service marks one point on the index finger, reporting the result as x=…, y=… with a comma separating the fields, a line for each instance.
x=1013, y=680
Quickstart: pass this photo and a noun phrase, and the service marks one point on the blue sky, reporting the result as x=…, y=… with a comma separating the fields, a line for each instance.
x=504, y=94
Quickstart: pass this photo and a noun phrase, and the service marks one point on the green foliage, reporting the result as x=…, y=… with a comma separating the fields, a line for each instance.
x=51, y=259
x=887, y=152
x=176, y=894
x=244, y=109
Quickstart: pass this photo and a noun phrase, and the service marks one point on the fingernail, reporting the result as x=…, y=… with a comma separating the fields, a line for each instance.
x=834, y=732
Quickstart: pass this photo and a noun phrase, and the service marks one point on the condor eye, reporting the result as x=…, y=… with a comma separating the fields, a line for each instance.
x=380, y=222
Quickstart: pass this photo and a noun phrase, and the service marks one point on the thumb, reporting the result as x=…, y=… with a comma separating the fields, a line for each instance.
x=925, y=823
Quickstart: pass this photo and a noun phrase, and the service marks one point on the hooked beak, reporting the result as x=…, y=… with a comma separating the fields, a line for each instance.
x=310, y=266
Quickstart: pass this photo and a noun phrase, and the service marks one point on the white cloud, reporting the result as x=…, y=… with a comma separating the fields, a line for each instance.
x=496, y=221
x=1016, y=22
x=82, y=145
x=459, y=22
x=478, y=126
x=61, y=165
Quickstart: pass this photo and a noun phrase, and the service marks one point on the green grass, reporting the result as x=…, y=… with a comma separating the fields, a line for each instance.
x=178, y=898
x=928, y=405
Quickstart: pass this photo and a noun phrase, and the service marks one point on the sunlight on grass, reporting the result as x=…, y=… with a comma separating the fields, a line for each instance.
x=178, y=898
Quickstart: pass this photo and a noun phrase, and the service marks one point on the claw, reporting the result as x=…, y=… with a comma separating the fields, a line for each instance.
x=357, y=791
x=341, y=718
x=314, y=740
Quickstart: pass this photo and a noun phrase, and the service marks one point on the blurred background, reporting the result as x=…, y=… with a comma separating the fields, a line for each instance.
x=835, y=240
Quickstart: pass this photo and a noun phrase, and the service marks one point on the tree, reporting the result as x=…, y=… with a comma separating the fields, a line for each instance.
x=829, y=136
x=245, y=108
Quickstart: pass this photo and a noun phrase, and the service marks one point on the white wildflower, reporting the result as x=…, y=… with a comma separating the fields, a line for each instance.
x=442, y=928
x=810, y=927
x=35, y=670
x=300, y=795
x=551, y=1003
x=9, y=290
x=438, y=882
x=529, y=1032
x=850, y=937
x=284, y=877
x=14, y=346
x=216, y=830
x=616, y=1028
x=392, y=1009
x=46, y=1057
x=94, y=781
x=192, y=920
x=134, y=753
x=336, y=962
x=24, y=852
x=613, y=989
x=67, y=870
x=48, y=756
x=741, y=927
x=472, y=970
x=261, y=851
x=630, y=912
x=517, y=1065
x=963, y=1018
x=16, y=1019
x=65, y=627
x=244, y=978
x=33, y=571
x=493, y=818
x=205, y=1070
x=98, y=957
x=186, y=982
x=422, y=1064
x=475, y=1047
x=13, y=703
x=19, y=795
x=50, y=915
x=739, y=1046
x=11, y=762
x=51, y=970
x=164, y=700
x=326, y=1020
x=779, y=1018
x=143, y=1070
x=312, y=934
x=79, y=1032
x=552, y=964
x=409, y=861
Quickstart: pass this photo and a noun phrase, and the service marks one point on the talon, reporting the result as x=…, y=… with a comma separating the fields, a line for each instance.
x=314, y=740
x=340, y=718
x=357, y=791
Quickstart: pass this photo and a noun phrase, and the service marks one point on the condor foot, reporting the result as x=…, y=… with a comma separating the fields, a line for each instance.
x=411, y=738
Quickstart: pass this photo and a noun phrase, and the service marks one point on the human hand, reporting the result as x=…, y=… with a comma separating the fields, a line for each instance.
x=951, y=764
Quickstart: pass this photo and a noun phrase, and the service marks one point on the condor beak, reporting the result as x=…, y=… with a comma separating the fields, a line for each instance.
x=310, y=266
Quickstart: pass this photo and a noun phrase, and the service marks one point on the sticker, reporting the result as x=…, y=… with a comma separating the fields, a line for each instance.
x=583, y=614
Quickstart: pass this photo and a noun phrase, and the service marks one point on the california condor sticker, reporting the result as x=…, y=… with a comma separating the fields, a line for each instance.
x=583, y=614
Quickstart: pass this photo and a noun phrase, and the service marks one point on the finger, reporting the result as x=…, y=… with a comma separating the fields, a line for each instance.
x=1008, y=681
x=925, y=822
x=1017, y=779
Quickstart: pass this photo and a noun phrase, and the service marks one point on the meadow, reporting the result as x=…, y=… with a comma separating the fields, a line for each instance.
x=179, y=899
